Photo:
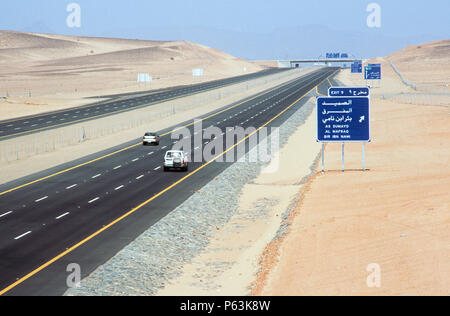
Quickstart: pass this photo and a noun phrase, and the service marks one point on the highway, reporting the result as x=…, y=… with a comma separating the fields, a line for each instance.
x=115, y=104
x=86, y=211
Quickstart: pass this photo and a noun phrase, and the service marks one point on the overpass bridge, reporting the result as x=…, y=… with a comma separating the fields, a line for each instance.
x=325, y=61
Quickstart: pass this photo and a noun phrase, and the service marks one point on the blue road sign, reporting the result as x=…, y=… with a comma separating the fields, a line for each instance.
x=356, y=67
x=372, y=72
x=349, y=92
x=343, y=119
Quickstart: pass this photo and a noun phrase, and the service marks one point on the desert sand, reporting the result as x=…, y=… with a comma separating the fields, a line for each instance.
x=427, y=65
x=394, y=216
x=42, y=72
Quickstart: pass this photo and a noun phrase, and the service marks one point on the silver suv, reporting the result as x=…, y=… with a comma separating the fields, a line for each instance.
x=176, y=159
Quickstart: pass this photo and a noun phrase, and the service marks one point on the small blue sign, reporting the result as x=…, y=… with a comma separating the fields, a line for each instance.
x=336, y=55
x=349, y=92
x=372, y=72
x=356, y=67
x=343, y=119
x=333, y=55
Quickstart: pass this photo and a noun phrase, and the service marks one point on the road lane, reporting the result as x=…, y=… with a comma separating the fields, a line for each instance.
x=114, y=104
x=49, y=237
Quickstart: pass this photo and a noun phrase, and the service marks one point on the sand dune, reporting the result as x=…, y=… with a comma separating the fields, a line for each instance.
x=42, y=72
x=394, y=216
x=427, y=65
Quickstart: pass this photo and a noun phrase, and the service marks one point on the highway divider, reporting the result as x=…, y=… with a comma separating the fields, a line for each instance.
x=23, y=147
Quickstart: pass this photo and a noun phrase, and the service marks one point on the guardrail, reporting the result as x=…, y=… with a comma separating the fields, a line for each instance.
x=404, y=80
x=440, y=99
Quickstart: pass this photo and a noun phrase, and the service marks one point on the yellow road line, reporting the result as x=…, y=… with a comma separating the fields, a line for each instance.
x=317, y=91
x=71, y=249
x=133, y=146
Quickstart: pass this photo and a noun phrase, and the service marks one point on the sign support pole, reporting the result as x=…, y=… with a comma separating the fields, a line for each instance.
x=323, y=157
x=364, y=156
x=343, y=157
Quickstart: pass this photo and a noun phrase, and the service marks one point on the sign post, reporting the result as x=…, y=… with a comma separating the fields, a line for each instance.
x=372, y=72
x=349, y=92
x=144, y=78
x=356, y=67
x=323, y=157
x=197, y=73
x=343, y=119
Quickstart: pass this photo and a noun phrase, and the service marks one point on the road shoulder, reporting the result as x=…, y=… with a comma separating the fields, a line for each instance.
x=393, y=219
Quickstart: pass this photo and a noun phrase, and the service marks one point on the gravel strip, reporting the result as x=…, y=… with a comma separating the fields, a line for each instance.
x=158, y=255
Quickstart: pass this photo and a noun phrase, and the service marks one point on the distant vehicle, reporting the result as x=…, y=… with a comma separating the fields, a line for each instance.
x=176, y=159
x=150, y=138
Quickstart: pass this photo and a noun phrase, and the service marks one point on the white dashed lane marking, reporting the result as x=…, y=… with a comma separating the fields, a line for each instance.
x=93, y=200
x=7, y=213
x=61, y=216
x=23, y=235
x=96, y=176
x=72, y=186
x=118, y=188
x=41, y=199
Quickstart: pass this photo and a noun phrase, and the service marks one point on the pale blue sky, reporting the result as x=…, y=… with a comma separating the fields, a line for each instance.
x=212, y=22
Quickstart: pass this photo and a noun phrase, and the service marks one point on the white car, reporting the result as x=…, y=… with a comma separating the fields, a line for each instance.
x=176, y=159
x=150, y=138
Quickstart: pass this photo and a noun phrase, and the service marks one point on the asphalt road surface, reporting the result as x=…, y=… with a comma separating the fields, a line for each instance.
x=115, y=104
x=86, y=211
